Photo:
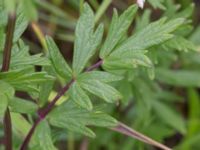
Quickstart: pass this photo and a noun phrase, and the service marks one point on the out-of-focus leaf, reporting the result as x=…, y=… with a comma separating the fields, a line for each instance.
x=10, y=5
x=2, y=38
x=3, y=16
x=194, y=113
x=184, y=78
x=170, y=117
x=191, y=143
x=29, y=9
x=169, y=96
x=180, y=43
x=3, y=105
x=157, y=4
x=76, y=119
x=195, y=36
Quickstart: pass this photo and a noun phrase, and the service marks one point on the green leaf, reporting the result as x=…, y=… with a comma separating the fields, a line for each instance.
x=170, y=117
x=180, y=43
x=190, y=143
x=23, y=79
x=3, y=105
x=102, y=90
x=86, y=42
x=181, y=78
x=21, y=24
x=117, y=30
x=29, y=10
x=143, y=21
x=37, y=60
x=193, y=113
x=30, y=78
x=46, y=88
x=43, y=138
x=100, y=75
x=10, y=5
x=20, y=126
x=157, y=4
x=58, y=62
x=154, y=34
x=6, y=93
x=79, y=96
x=2, y=38
x=6, y=89
x=20, y=105
x=127, y=60
x=76, y=119
x=3, y=14
x=21, y=57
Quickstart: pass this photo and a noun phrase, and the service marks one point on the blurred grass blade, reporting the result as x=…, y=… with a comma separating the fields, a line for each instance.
x=105, y=4
x=124, y=129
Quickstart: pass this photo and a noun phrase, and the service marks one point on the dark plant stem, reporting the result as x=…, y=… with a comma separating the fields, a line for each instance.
x=7, y=130
x=97, y=65
x=43, y=113
x=29, y=135
x=49, y=107
x=5, y=68
x=8, y=43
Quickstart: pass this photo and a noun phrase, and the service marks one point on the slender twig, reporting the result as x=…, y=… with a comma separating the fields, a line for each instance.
x=43, y=113
x=97, y=65
x=7, y=130
x=5, y=68
x=40, y=36
x=122, y=128
x=8, y=43
x=84, y=144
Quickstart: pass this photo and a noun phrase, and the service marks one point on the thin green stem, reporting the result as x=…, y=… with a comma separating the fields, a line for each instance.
x=105, y=4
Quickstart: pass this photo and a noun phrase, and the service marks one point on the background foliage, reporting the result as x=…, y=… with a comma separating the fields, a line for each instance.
x=147, y=75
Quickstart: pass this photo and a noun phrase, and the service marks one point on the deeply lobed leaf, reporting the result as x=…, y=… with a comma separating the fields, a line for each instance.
x=76, y=119
x=117, y=30
x=86, y=42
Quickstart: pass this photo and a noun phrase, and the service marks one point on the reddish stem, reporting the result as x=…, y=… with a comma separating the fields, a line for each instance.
x=43, y=113
x=97, y=65
x=8, y=43
x=5, y=68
